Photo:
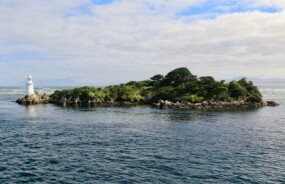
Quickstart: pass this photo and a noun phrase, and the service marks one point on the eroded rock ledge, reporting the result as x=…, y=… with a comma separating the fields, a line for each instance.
x=74, y=102
x=163, y=104
x=211, y=105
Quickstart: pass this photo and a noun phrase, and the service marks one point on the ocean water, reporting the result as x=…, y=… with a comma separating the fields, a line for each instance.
x=52, y=144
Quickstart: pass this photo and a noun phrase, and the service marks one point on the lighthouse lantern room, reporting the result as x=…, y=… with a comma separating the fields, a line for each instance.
x=30, y=85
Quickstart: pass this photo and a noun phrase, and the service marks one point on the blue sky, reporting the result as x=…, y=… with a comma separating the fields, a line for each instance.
x=213, y=9
x=99, y=42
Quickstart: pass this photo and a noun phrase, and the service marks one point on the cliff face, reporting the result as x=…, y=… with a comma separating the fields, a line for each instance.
x=33, y=99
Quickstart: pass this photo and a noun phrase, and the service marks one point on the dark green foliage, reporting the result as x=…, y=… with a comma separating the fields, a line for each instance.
x=177, y=85
x=208, y=87
x=167, y=92
x=131, y=83
x=244, y=90
x=222, y=93
x=157, y=77
x=236, y=90
x=253, y=99
x=178, y=76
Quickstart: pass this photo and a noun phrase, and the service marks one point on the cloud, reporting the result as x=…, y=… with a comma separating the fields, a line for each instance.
x=270, y=3
x=116, y=41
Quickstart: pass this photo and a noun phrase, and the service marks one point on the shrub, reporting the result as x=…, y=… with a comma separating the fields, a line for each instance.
x=195, y=99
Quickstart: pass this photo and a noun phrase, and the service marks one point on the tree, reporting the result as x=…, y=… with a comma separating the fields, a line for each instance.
x=207, y=80
x=129, y=93
x=236, y=90
x=178, y=76
x=208, y=86
x=157, y=77
x=179, y=84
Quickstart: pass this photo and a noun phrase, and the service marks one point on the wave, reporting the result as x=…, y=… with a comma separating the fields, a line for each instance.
x=273, y=92
x=12, y=91
x=22, y=91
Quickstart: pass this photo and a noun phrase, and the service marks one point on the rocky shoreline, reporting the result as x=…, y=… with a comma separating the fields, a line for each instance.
x=164, y=104
x=33, y=99
x=161, y=104
x=211, y=105
x=73, y=102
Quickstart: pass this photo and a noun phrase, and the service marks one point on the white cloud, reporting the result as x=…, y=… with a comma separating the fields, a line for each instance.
x=270, y=3
x=129, y=40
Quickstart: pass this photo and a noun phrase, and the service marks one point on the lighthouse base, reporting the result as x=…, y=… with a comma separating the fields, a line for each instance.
x=33, y=99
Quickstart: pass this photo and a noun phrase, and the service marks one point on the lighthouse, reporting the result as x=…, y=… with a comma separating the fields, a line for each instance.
x=30, y=85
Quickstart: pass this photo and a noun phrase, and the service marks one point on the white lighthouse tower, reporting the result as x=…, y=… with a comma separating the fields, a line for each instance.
x=30, y=85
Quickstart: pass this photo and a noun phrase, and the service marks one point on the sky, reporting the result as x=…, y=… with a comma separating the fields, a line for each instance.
x=101, y=42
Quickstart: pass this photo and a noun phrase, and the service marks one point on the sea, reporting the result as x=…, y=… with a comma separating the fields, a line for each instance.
x=53, y=144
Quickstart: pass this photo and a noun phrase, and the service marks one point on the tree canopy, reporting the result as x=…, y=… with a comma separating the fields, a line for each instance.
x=178, y=76
x=177, y=85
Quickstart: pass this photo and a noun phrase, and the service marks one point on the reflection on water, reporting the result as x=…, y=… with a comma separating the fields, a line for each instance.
x=31, y=111
x=187, y=115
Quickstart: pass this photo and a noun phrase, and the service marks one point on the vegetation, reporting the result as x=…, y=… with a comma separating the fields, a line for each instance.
x=178, y=85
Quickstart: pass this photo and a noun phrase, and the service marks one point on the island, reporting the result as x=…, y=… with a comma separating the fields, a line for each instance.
x=177, y=89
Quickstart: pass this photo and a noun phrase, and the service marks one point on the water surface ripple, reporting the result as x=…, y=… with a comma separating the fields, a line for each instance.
x=50, y=144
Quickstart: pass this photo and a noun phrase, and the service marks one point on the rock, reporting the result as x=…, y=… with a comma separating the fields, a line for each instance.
x=63, y=101
x=177, y=105
x=272, y=103
x=168, y=103
x=33, y=100
x=184, y=103
x=264, y=103
x=69, y=101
